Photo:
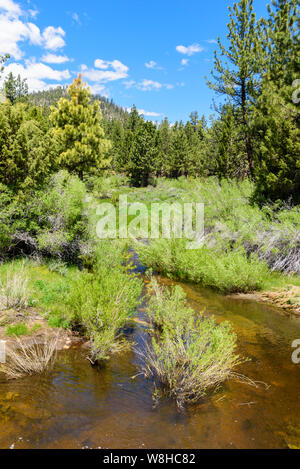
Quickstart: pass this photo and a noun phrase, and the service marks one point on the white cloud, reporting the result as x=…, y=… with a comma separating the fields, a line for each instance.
x=184, y=62
x=12, y=8
x=13, y=31
x=152, y=64
x=108, y=71
x=76, y=18
x=99, y=89
x=142, y=112
x=33, y=13
x=55, y=59
x=189, y=50
x=36, y=73
x=53, y=38
x=148, y=85
x=212, y=41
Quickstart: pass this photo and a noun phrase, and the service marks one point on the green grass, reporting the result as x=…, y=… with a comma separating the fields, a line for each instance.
x=246, y=246
x=97, y=303
x=17, y=330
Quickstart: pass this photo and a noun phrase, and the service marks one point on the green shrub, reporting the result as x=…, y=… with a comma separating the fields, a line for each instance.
x=192, y=355
x=17, y=330
x=104, y=300
x=226, y=271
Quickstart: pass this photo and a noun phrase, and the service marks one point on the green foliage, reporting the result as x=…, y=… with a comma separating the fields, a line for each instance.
x=192, y=355
x=15, y=89
x=240, y=238
x=17, y=330
x=26, y=153
x=275, y=114
x=82, y=146
x=104, y=300
x=236, y=72
x=228, y=272
x=143, y=154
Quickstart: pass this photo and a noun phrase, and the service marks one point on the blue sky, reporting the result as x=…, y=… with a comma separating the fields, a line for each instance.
x=154, y=54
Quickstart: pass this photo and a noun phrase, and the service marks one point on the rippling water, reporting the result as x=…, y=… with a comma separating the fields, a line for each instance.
x=78, y=406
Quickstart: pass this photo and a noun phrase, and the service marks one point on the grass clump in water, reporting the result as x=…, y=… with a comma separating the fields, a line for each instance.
x=29, y=359
x=192, y=355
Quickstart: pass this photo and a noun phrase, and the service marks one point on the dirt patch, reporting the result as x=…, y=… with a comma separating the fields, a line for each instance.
x=285, y=298
x=38, y=328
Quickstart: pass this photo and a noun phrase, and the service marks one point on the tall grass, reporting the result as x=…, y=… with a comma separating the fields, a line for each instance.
x=191, y=356
x=244, y=243
x=28, y=359
x=14, y=289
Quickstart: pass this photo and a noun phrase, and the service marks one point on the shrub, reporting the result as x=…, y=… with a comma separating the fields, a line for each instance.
x=17, y=330
x=192, y=355
x=225, y=270
x=103, y=301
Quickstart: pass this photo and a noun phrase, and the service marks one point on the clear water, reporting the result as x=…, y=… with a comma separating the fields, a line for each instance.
x=77, y=406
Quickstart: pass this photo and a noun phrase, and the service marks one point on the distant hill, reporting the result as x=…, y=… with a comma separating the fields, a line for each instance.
x=109, y=109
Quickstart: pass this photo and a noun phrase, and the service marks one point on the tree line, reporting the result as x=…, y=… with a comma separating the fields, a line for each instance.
x=253, y=134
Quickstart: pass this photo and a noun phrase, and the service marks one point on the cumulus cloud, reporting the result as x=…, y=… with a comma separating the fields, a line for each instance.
x=53, y=38
x=184, y=62
x=36, y=73
x=55, y=59
x=189, y=50
x=14, y=30
x=10, y=7
x=107, y=71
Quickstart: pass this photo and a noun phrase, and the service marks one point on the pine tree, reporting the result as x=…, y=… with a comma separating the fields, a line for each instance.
x=236, y=76
x=164, y=147
x=26, y=153
x=231, y=161
x=143, y=157
x=178, y=162
x=276, y=117
x=78, y=132
x=15, y=89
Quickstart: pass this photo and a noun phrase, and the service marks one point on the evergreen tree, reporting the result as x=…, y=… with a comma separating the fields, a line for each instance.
x=231, y=161
x=178, y=162
x=82, y=146
x=15, y=89
x=143, y=157
x=26, y=153
x=236, y=76
x=164, y=147
x=276, y=117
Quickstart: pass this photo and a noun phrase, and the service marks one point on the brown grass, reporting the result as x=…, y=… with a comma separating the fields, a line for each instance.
x=29, y=359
